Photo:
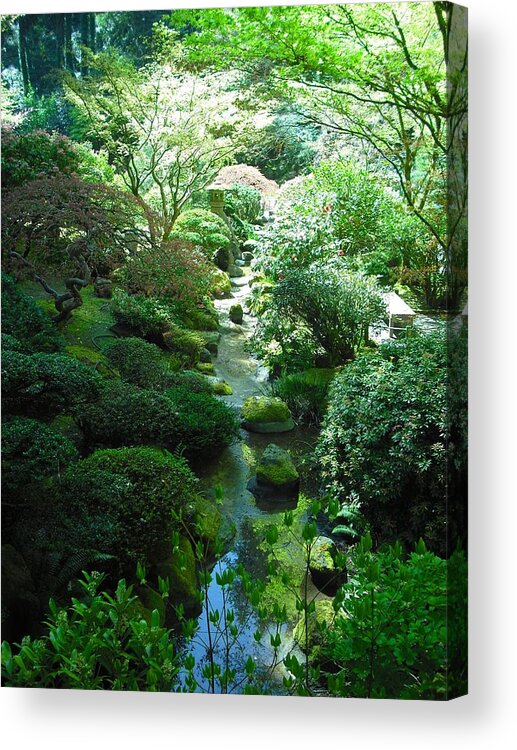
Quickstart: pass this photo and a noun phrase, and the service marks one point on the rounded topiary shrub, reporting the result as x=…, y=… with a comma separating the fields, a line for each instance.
x=139, y=362
x=205, y=230
x=195, y=423
x=31, y=451
x=143, y=316
x=208, y=424
x=46, y=384
x=123, y=502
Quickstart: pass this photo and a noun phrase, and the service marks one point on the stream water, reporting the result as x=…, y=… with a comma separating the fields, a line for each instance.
x=231, y=471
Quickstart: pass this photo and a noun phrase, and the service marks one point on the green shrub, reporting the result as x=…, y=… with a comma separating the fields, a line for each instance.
x=208, y=424
x=123, y=502
x=139, y=363
x=32, y=451
x=185, y=344
x=192, y=381
x=384, y=439
x=145, y=316
x=197, y=319
x=389, y=636
x=24, y=320
x=100, y=642
x=196, y=423
x=264, y=409
x=205, y=230
x=242, y=201
x=46, y=384
x=305, y=393
x=335, y=305
x=91, y=357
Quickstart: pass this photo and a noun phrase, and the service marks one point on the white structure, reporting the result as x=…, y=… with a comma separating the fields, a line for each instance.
x=400, y=316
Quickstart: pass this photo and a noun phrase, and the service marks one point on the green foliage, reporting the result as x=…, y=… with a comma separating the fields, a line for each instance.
x=196, y=423
x=331, y=305
x=25, y=321
x=243, y=202
x=208, y=425
x=35, y=154
x=185, y=344
x=384, y=439
x=145, y=316
x=207, y=231
x=305, y=393
x=46, y=384
x=124, y=502
x=139, y=363
x=99, y=642
x=389, y=636
x=32, y=451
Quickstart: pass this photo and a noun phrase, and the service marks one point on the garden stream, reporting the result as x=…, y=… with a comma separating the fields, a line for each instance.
x=231, y=472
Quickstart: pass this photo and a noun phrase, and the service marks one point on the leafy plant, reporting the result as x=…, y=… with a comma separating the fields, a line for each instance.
x=99, y=642
x=208, y=232
x=140, y=363
x=25, y=321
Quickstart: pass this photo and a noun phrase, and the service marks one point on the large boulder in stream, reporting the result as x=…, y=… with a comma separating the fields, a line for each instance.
x=325, y=574
x=276, y=476
x=266, y=414
x=236, y=314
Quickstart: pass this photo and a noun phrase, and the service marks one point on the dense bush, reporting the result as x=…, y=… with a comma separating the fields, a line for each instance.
x=305, y=393
x=145, y=316
x=339, y=210
x=123, y=502
x=205, y=230
x=243, y=202
x=42, y=217
x=196, y=423
x=384, y=440
x=139, y=363
x=46, y=384
x=32, y=451
x=332, y=305
x=32, y=155
x=176, y=272
x=24, y=320
x=389, y=638
x=99, y=642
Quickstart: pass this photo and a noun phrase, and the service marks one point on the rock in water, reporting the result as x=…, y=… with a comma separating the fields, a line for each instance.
x=276, y=476
x=324, y=573
x=236, y=314
x=266, y=414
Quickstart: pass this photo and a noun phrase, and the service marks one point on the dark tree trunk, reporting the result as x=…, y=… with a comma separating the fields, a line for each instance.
x=60, y=40
x=92, y=31
x=24, y=25
x=85, y=41
x=68, y=28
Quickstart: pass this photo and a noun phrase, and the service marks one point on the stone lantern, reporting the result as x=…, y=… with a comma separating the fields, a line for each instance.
x=216, y=193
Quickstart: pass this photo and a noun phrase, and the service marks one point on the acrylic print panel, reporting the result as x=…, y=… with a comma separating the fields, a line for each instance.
x=234, y=350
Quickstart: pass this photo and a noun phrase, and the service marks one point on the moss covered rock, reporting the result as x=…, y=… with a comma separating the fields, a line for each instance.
x=319, y=622
x=276, y=475
x=324, y=573
x=236, y=314
x=206, y=368
x=151, y=599
x=221, y=388
x=180, y=569
x=266, y=414
x=221, y=285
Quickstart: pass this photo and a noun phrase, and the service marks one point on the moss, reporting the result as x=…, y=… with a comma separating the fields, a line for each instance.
x=93, y=358
x=181, y=341
x=265, y=409
x=236, y=313
x=222, y=388
x=221, y=284
x=207, y=520
x=94, y=318
x=322, y=554
x=206, y=368
x=318, y=622
x=276, y=467
x=201, y=320
x=180, y=569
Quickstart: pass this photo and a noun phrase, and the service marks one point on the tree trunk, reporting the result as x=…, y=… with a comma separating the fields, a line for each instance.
x=85, y=41
x=68, y=28
x=92, y=31
x=60, y=40
x=24, y=25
